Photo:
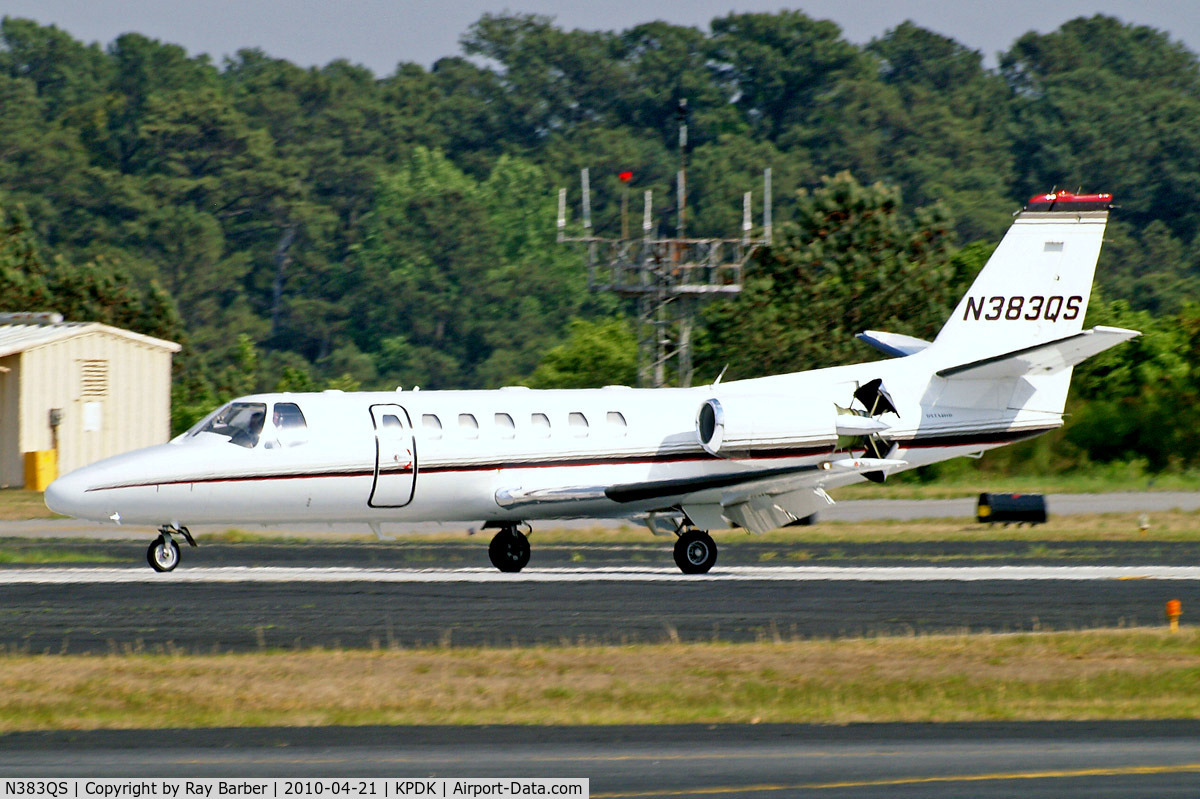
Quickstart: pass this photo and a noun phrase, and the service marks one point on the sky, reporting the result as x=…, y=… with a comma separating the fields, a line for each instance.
x=382, y=33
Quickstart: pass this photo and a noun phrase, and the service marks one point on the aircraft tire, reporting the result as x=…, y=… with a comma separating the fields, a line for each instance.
x=163, y=554
x=695, y=552
x=509, y=551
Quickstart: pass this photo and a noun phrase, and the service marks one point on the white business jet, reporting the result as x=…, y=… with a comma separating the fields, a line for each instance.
x=757, y=454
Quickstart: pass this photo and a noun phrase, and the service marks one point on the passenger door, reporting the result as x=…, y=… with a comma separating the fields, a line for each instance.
x=395, y=458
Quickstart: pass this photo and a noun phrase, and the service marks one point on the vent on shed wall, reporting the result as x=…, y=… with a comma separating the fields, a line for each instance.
x=93, y=379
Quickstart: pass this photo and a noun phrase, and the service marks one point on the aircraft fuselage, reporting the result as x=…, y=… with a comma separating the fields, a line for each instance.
x=486, y=455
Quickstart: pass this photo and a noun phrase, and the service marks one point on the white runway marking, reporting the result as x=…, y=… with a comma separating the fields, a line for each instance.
x=273, y=574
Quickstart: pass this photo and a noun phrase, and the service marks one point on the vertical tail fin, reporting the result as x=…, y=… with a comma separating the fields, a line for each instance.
x=1035, y=287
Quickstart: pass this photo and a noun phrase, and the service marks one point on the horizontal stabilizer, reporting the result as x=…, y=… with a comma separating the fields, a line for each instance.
x=894, y=344
x=1048, y=358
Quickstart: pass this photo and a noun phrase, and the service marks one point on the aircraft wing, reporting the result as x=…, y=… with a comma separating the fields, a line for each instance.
x=769, y=502
x=667, y=490
x=1047, y=358
x=758, y=500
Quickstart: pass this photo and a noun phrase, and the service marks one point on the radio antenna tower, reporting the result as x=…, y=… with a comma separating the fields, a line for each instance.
x=668, y=277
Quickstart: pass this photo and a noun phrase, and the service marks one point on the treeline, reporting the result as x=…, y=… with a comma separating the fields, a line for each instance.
x=327, y=224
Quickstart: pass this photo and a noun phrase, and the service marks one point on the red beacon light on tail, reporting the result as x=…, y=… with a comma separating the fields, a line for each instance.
x=1066, y=201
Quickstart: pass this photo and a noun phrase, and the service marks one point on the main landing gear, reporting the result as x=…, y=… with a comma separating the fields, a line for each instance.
x=163, y=554
x=509, y=550
x=695, y=552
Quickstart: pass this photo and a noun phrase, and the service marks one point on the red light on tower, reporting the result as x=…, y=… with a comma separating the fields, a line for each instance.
x=625, y=177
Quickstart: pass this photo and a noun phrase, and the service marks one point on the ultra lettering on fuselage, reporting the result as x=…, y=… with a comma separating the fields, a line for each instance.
x=756, y=454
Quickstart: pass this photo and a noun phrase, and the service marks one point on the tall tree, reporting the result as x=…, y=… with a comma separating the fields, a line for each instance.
x=852, y=260
x=68, y=76
x=775, y=67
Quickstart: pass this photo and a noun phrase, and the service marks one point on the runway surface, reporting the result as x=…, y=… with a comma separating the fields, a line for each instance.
x=1040, y=760
x=247, y=597
x=488, y=576
x=255, y=596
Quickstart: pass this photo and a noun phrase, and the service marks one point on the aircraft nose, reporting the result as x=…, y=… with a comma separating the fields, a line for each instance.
x=68, y=495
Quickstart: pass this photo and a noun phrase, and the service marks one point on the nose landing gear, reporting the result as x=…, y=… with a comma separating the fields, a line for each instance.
x=163, y=554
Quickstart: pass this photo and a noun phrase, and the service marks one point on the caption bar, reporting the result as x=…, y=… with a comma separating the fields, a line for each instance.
x=178, y=788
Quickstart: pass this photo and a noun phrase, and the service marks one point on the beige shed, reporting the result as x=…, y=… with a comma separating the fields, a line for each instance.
x=86, y=389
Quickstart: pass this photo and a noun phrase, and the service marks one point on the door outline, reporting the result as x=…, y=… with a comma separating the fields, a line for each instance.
x=398, y=486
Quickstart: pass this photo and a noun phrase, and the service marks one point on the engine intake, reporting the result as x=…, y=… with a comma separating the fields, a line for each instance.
x=740, y=427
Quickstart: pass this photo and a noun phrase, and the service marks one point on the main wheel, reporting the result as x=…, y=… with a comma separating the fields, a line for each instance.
x=163, y=554
x=509, y=550
x=695, y=552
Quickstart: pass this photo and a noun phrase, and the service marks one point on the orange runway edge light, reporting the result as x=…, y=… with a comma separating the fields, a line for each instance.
x=1174, y=611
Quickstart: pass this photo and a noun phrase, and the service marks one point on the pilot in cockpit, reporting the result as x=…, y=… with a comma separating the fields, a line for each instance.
x=248, y=437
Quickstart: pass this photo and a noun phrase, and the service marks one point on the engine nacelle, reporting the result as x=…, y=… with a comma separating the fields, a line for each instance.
x=741, y=426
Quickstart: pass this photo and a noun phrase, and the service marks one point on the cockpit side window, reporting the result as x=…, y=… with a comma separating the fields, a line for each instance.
x=240, y=422
x=290, y=428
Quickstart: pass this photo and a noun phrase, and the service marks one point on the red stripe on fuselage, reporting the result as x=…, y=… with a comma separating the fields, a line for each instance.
x=931, y=442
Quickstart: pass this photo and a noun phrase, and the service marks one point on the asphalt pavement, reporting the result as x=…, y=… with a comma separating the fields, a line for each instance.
x=1034, y=760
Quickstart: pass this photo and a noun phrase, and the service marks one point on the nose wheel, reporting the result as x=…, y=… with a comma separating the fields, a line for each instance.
x=163, y=554
x=509, y=550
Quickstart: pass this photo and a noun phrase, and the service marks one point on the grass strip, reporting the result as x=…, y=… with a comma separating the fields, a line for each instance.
x=1110, y=674
x=970, y=482
x=1171, y=525
x=18, y=504
x=19, y=555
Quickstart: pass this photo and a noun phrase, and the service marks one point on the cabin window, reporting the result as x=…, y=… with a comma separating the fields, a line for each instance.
x=468, y=425
x=578, y=424
x=432, y=425
x=240, y=422
x=539, y=423
x=290, y=428
x=505, y=424
x=616, y=424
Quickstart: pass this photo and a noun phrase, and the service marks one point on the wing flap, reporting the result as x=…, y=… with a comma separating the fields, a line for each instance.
x=765, y=512
x=767, y=504
x=758, y=500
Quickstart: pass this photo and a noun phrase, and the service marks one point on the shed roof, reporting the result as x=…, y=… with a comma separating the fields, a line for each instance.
x=16, y=338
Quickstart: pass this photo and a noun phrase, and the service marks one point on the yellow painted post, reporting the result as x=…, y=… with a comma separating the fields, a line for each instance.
x=41, y=468
x=1174, y=611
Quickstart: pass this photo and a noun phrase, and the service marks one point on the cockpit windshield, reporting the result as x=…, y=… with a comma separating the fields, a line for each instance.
x=240, y=422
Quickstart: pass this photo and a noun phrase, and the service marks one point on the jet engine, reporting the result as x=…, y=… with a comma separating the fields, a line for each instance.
x=765, y=426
